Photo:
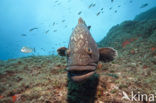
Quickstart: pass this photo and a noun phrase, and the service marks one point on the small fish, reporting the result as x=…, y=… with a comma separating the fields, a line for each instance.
x=144, y=5
x=23, y=35
x=79, y=12
x=98, y=14
x=115, y=11
x=130, y=1
x=63, y=20
x=119, y=6
x=112, y=0
x=55, y=30
x=110, y=8
x=101, y=8
x=90, y=6
x=47, y=32
x=26, y=50
x=53, y=23
x=93, y=5
x=32, y=29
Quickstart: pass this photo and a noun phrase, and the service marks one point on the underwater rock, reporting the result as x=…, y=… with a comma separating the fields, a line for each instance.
x=135, y=41
x=147, y=15
x=129, y=31
x=6, y=100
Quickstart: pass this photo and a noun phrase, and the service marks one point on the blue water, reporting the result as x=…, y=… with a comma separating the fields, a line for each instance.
x=17, y=17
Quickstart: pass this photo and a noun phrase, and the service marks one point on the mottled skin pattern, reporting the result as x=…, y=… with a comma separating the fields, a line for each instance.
x=80, y=41
x=83, y=54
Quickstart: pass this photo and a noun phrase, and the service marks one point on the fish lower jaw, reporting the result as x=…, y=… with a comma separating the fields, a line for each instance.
x=83, y=77
x=80, y=73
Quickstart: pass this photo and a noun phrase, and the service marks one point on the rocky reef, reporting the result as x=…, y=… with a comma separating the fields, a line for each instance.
x=148, y=15
x=135, y=41
x=40, y=79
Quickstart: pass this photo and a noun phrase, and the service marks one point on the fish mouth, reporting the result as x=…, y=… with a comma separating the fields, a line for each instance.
x=80, y=73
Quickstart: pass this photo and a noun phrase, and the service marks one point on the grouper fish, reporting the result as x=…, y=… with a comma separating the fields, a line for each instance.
x=83, y=54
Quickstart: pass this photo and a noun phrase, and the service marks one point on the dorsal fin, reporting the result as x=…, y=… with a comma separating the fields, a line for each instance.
x=81, y=21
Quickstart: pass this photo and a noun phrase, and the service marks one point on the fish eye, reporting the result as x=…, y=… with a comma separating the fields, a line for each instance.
x=89, y=51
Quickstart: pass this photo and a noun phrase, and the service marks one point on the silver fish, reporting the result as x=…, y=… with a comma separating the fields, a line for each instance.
x=26, y=50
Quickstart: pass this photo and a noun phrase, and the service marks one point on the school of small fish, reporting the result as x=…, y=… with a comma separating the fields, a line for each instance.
x=57, y=2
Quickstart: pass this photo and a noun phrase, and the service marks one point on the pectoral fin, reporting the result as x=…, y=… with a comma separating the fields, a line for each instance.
x=62, y=51
x=107, y=54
